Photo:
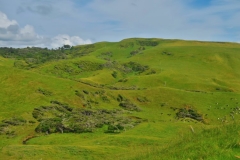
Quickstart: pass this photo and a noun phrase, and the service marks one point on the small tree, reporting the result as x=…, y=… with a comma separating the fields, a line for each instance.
x=66, y=46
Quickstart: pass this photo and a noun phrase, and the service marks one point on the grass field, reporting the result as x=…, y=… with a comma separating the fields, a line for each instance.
x=185, y=95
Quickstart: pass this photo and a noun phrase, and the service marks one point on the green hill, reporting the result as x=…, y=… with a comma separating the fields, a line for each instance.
x=133, y=99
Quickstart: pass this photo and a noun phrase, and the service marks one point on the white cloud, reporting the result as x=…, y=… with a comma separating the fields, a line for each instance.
x=13, y=36
x=10, y=30
x=5, y=22
x=60, y=40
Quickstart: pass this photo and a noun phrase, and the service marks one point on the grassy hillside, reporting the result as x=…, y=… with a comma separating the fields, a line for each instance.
x=133, y=99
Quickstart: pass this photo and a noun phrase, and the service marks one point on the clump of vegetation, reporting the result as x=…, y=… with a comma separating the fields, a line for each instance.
x=68, y=69
x=136, y=67
x=50, y=125
x=82, y=50
x=121, y=125
x=106, y=55
x=224, y=89
x=114, y=74
x=126, y=45
x=92, y=98
x=6, y=125
x=127, y=104
x=15, y=121
x=21, y=64
x=62, y=118
x=189, y=113
x=148, y=43
x=167, y=53
x=75, y=68
x=123, y=80
x=139, y=50
x=85, y=92
x=44, y=92
x=151, y=72
x=142, y=99
x=79, y=94
x=32, y=57
x=88, y=66
x=126, y=68
x=105, y=98
x=63, y=105
x=120, y=98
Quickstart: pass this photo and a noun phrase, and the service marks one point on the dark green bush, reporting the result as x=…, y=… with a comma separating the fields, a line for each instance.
x=50, y=125
x=15, y=121
x=88, y=66
x=6, y=125
x=120, y=98
x=105, y=98
x=86, y=92
x=151, y=72
x=44, y=92
x=79, y=94
x=139, y=50
x=114, y=74
x=189, y=113
x=142, y=99
x=129, y=106
x=126, y=45
x=148, y=43
x=115, y=128
x=136, y=67
x=123, y=80
x=78, y=120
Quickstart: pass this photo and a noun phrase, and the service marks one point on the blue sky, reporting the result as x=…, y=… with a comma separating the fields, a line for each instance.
x=52, y=23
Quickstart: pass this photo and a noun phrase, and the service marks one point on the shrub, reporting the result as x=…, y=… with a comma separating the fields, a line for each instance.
x=5, y=125
x=136, y=67
x=50, y=125
x=123, y=80
x=142, y=99
x=151, y=72
x=148, y=43
x=115, y=128
x=105, y=99
x=44, y=92
x=79, y=120
x=189, y=113
x=120, y=98
x=114, y=74
x=129, y=106
x=15, y=121
x=80, y=95
x=86, y=92
x=126, y=45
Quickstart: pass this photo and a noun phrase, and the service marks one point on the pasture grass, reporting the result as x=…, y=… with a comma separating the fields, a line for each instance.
x=203, y=76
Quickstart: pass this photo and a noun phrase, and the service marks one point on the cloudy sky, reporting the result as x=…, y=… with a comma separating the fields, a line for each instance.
x=52, y=23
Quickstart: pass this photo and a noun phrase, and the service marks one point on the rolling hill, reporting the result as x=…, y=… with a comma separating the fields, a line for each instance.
x=133, y=99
